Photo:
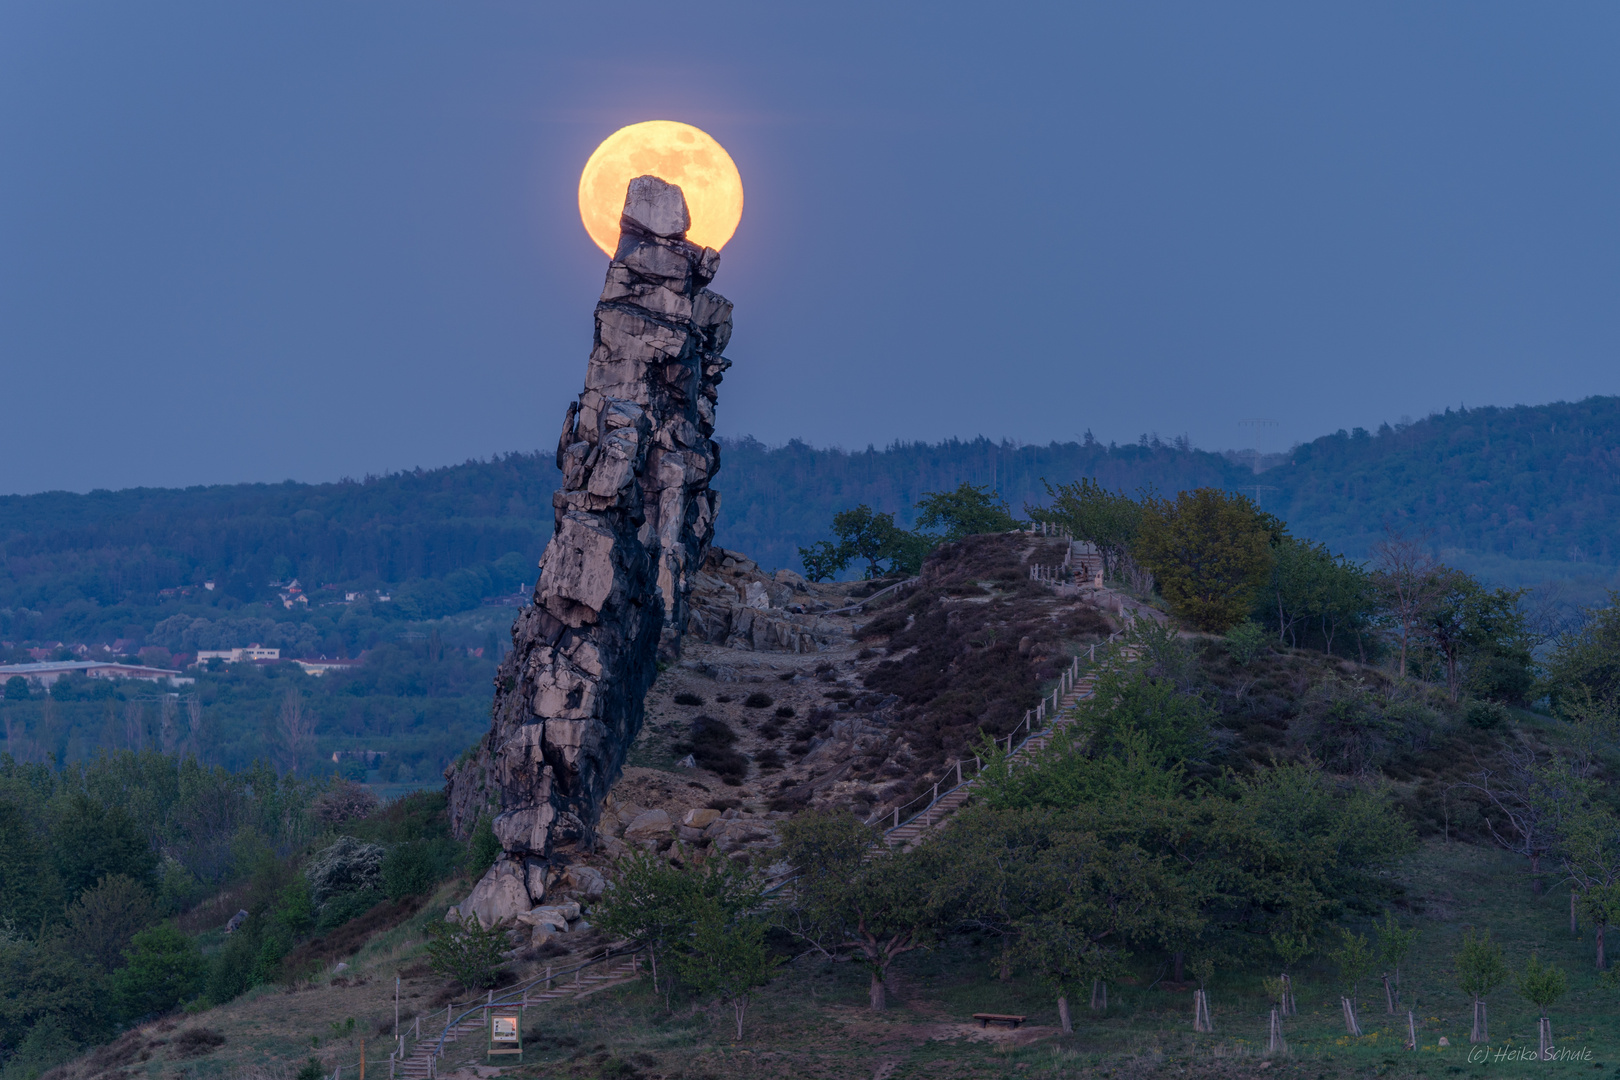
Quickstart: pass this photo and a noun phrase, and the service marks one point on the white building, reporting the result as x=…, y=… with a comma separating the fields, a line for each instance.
x=236, y=656
x=46, y=673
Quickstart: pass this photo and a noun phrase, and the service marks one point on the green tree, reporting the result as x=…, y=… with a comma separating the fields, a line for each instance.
x=1090, y=893
x=1311, y=588
x=964, y=512
x=1589, y=848
x=1210, y=551
x=1107, y=519
x=29, y=886
x=651, y=905
x=823, y=560
x=90, y=840
x=163, y=968
x=1465, y=623
x=102, y=920
x=868, y=536
x=1588, y=659
x=1394, y=945
x=876, y=902
x=658, y=904
x=726, y=956
x=1542, y=985
x=1480, y=969
x=17, y=689
x=44, y=986
x=1354, y=960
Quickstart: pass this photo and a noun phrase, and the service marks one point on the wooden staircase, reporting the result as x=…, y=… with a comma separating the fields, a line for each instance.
x=940, y=809
x=426, y=1058
x=948, y=803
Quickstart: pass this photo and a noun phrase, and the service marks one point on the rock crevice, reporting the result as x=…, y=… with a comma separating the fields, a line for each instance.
x=634, y=518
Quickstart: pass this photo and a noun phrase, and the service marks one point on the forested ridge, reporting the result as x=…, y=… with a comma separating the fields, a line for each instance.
x=1539, y=483
x=1539, y=486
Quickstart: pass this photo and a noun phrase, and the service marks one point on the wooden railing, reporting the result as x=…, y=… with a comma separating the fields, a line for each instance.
x=1033, y=721
x=517, y=995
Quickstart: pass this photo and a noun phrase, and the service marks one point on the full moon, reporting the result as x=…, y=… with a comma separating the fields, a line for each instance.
x=675, y=153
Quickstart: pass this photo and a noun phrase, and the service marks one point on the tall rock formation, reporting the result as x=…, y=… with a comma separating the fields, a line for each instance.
x=634, y=520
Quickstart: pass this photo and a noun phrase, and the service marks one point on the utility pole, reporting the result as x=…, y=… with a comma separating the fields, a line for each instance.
x=1261, y=426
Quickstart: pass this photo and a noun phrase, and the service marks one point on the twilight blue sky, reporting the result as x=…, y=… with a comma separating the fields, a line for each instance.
x=254, y=241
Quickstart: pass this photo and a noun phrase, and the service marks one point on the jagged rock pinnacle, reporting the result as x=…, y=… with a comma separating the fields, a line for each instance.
x=634, y=518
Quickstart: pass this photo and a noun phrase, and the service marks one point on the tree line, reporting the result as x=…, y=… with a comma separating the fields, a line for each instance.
x=106, y=870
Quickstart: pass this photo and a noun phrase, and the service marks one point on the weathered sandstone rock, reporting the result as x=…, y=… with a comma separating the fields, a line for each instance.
x=633, y=522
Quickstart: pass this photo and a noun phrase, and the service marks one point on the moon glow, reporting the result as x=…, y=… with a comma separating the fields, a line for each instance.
x=676, y=153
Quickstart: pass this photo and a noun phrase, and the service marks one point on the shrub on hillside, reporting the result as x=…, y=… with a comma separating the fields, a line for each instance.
x=103, y=919
x=340, y=909
x=343, y=801
x=467, y=951
x=414, y=867
x=347, y=866
x=710, y=744
x=482, y=848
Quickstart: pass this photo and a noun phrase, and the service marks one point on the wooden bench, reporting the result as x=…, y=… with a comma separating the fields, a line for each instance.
x=986, y=1019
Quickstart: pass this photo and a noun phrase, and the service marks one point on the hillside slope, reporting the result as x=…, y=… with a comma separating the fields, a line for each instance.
x=1529, y=484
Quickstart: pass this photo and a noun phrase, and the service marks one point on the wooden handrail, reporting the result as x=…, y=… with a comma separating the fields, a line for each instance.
x=519, y=994
x=1066, y=682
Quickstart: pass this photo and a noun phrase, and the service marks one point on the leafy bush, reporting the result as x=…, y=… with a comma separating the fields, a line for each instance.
x=195, y=1042
x=1244, y=640
x=312, y=1069
x=414, y=867
x=340, y=909
x=344, y=800
x=686, y=697
x=467, y=951
x=785, y=712
x=231, y=972
x=344, y=867
x=759, y=699
x=164, y=968
x=1485, y=715
x=710, y=744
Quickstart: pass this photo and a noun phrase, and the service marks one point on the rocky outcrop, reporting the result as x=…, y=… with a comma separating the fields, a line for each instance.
x=734, y=603
x=633, y=521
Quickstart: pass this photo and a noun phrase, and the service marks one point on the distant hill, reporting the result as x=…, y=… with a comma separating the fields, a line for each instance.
x=1517, y=494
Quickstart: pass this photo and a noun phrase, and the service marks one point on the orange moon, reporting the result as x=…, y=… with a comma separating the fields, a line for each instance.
x=676, y=153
